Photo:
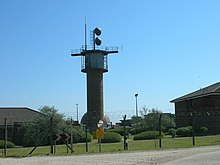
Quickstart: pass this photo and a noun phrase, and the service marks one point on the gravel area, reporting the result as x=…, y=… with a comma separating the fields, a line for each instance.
x=128, y=158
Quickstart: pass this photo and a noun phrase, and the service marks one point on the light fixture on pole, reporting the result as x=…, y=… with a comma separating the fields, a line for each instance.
x=96, y=40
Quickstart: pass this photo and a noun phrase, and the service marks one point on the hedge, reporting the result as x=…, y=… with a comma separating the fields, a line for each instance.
x=184, y=131
x=117, y=130
x=172, y=132
x=203, y=130
x=111, y=137
x=9, y=144
x=80, y=136
x=135, y=131
x=148, y=135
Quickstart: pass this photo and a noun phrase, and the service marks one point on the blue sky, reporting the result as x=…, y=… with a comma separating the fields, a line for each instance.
x=170, y=48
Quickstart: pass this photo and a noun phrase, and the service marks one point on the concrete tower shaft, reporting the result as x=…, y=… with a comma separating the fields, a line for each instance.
x=95, y=105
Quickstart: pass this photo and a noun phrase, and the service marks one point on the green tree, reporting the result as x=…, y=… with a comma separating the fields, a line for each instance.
x=151, y=120
x=50, y=120
x=167, y=122
x=38, y=131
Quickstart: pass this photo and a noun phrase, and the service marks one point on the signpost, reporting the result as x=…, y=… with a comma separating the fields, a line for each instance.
x=55, y=141
x=100, y=123
x=67, y=136
x=64, y=137
x=100, y=132
x=58, y=137
x=67, y=141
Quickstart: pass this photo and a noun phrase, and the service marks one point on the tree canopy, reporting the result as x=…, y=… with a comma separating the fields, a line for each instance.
x=149, y=120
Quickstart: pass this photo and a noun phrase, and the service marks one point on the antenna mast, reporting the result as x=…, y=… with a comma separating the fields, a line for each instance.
x=85, y=35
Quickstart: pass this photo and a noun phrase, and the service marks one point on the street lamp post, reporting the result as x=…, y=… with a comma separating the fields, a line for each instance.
x=77, y=113
x=136, y=95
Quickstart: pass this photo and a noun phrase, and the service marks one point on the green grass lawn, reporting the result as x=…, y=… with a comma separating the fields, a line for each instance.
x=140, y=145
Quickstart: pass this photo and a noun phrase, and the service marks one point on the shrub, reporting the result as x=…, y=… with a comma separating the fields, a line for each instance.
x=172, y=132
x=148, y=135
x=111, y=137
x=132, y=131
x=9, y=144
x=203, y=130
x=117, y=130
x=135, y=131
x=184, y=131
x=80, y=136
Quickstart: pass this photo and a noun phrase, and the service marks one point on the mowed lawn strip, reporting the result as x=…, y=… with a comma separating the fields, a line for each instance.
x=138, y=145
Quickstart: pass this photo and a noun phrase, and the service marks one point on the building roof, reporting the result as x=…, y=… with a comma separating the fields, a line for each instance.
x=16, y=115
x=213, y=89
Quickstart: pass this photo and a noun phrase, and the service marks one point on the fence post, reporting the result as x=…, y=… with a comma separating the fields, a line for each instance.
x=160, y=130
x=71, y=135
x=5, y=139
x=51, y=135
x=124, y=119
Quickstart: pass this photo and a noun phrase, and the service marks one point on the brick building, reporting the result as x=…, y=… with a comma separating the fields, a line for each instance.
x=200, y=109
x=14, y=118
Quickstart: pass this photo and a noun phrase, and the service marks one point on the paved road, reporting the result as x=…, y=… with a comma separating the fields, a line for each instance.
x=212, y=158
x=191, y=156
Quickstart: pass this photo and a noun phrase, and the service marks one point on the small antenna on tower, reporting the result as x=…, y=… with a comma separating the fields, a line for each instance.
x=85, y=35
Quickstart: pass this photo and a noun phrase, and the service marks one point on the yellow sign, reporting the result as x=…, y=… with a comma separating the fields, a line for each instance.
x=100, y=133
